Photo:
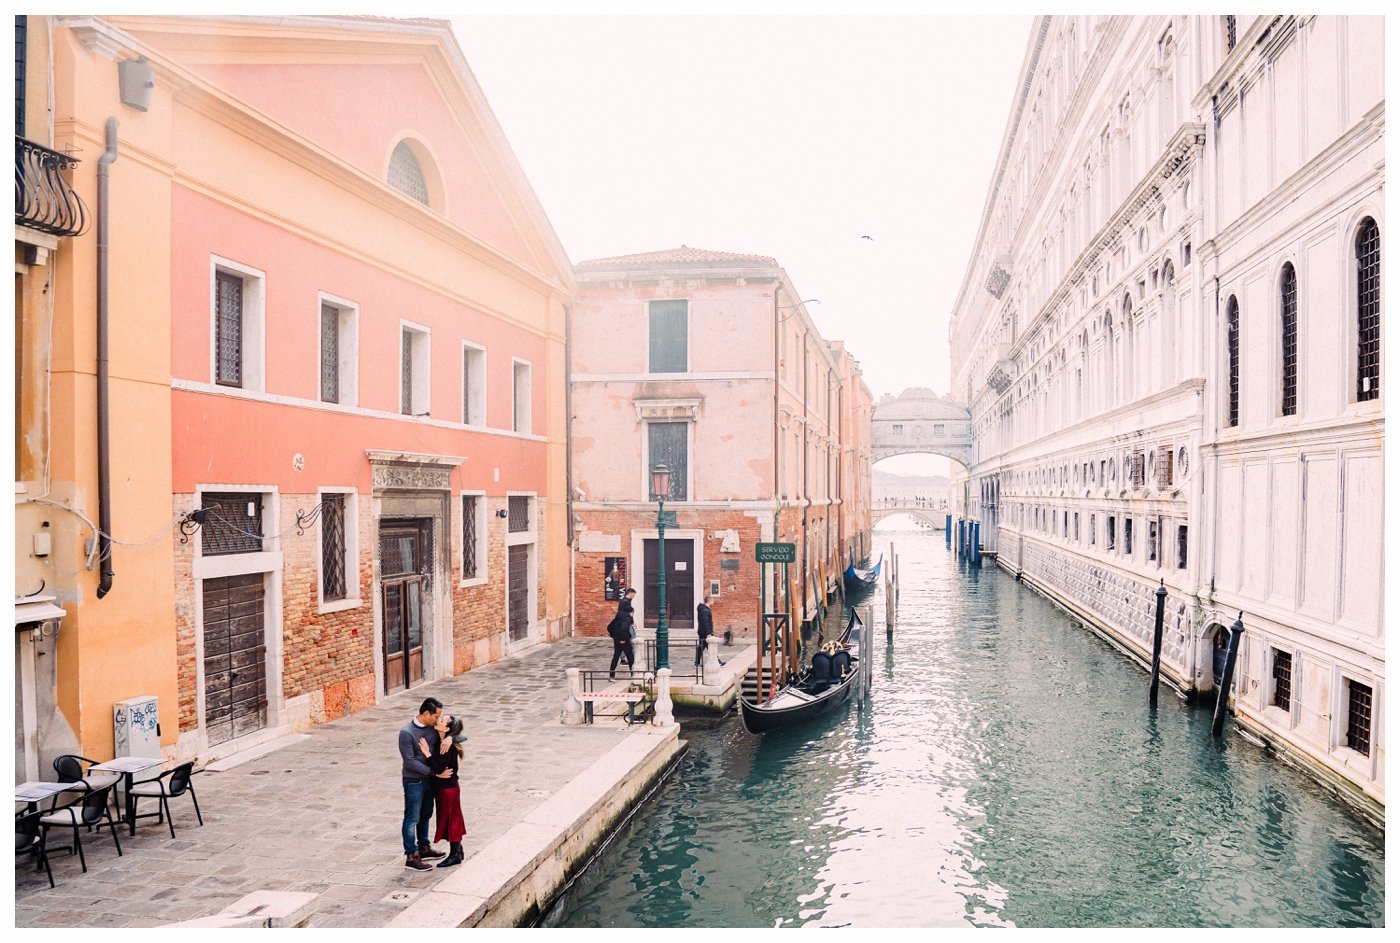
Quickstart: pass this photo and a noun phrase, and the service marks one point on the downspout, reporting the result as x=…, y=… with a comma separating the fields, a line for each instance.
x=104, y=470
x=569, y=459
x=806, y=470
x=777, y=471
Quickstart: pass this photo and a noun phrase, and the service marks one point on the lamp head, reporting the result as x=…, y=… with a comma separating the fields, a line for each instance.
x=660, y=482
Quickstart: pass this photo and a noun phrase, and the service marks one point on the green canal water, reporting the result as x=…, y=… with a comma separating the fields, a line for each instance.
x=1006, y=771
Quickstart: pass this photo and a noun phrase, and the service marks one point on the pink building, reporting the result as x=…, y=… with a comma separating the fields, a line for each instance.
x=709, y=363
x=366, y=326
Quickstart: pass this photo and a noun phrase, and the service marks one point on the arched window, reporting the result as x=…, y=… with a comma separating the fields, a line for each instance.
x=1368, y=310
x=1288, y=311
x=406, y=174
x=1232, y=355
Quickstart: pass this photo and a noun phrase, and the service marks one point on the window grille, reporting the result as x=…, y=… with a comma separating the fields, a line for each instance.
x=233, y=523
x=330, y=354
x=333, y=562
x=1288, y=302
x=1359, y=717
x=1093, y=530
x=1232, y=348
x=667, y=337
x=406, y=375
x=228, y=329
x=1138, y=474
x=667, y=446
x=519, y=514
x=1229, y=33
x=1165, y=471
x=406, y=175
x=469, y=561
x=1283, y=679
x=1368, y=311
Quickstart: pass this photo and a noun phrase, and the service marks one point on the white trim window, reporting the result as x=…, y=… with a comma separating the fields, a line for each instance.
x=337, y=550
x=521, y=392
x=338, y=378
x=236, y=298
x=414, y=370
x=473, y=384
x=474, y=543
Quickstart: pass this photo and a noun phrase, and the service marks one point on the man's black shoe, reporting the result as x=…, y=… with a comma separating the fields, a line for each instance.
x=429, y=853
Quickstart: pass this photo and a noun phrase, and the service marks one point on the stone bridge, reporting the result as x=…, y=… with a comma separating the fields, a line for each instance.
x=931, y=511
x=919, y=420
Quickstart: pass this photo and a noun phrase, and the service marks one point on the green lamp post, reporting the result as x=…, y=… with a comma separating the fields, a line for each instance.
x=660, y=488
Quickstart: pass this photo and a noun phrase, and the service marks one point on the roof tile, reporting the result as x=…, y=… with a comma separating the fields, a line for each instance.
x=684, y=255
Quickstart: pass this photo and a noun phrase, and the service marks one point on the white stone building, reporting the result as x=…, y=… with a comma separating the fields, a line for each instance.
x=1168, y=337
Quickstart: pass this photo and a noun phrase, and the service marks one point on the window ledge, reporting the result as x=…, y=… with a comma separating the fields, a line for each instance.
x=340, y=605
x=475, y=581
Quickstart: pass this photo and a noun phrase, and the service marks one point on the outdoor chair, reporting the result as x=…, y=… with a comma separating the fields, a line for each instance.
x=29, y=840
x=89, y=812
x=170, y=784
x=71, y=768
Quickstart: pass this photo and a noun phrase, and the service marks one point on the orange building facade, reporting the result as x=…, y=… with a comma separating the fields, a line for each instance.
x=350, y=419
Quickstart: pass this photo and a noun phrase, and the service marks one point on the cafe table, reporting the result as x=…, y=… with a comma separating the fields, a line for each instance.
x=31, y=794
x=129, y=766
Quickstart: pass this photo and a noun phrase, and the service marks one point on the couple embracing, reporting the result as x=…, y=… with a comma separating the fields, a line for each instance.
x=430, y=746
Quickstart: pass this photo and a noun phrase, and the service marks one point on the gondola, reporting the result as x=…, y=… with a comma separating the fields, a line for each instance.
x=863, y=580
x=830, y=680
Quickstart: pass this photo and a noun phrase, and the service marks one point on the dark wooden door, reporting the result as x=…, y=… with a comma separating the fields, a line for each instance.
x=680, y=583
x=403, y=550
x=235, y=657
x=518, y=592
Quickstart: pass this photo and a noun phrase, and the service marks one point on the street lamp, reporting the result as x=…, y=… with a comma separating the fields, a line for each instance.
x=660, y=488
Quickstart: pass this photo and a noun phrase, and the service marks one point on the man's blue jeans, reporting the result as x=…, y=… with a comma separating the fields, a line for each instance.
x=417, y=811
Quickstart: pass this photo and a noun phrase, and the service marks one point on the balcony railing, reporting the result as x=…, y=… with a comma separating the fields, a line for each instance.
x=43, y=199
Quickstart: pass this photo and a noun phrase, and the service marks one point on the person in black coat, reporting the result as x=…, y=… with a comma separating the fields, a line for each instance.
x=620, y=628
x=704, y=628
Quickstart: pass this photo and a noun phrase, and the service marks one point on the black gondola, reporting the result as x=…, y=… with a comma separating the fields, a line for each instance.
x=863, y=580
x=831, y=679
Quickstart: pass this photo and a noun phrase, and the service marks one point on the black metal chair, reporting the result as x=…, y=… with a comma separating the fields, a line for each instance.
x=71, y=768
x=170, y=784
x=89, y=812
x=29, y=840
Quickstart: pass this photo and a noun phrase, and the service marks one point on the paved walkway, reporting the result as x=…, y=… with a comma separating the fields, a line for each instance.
x=322, y=814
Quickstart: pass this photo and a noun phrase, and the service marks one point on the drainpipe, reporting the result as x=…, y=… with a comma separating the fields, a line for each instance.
x=569, y=459
x=777, y=470
x=104, y=471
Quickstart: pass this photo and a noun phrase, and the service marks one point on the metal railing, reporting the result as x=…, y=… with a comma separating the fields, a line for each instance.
x=43, y=199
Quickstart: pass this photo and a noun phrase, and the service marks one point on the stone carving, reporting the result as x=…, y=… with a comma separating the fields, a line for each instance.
x=397, y=475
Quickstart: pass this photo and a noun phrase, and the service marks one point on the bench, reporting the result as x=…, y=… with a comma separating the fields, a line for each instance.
x=631, y=698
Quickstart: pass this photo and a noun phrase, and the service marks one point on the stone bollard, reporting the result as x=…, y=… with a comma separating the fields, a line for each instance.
x=664, y=717
x=573, y=707
x=709, y=664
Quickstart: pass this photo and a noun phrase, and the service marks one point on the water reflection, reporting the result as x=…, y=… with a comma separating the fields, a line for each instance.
x=1008, y=770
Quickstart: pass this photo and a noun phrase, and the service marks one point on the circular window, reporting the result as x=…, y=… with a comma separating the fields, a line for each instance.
x=1183, y=462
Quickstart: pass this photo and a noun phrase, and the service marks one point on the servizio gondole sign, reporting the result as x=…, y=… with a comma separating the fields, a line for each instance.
x=775, y=553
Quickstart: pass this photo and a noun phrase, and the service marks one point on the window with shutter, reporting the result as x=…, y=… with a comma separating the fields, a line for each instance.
x=667, y=338
x=667, y=445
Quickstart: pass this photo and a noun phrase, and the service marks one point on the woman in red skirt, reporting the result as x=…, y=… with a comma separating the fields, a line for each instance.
x=446, y=790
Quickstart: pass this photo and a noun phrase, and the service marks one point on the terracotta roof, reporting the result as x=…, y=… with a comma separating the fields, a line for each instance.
x=683, y=255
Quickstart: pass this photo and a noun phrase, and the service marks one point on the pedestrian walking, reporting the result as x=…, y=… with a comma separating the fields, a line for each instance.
x=704, y=628
x=447, y=791
x=622, y=630
x=417, y=797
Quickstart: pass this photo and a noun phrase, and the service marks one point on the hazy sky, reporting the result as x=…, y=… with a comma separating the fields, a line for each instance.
x=788, y=136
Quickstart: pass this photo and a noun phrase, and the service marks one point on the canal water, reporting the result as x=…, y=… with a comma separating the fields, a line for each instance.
x=1007, y=770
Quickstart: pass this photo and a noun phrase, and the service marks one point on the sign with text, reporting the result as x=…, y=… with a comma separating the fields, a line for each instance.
x=614, y=577
x=775, y=553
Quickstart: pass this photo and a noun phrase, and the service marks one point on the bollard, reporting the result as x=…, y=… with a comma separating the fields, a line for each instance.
x=1157, y=642
x=664, y=716
x=1236, y=633
x=573, y=708
x=948, y=530
x=976, y=543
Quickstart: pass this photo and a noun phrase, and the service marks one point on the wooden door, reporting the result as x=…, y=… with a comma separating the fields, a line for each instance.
x=235, y=657
x=518, y=592
x=402, y=554
x=680, y=583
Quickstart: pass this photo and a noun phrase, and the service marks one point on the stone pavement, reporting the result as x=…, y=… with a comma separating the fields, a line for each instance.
x=322, y=814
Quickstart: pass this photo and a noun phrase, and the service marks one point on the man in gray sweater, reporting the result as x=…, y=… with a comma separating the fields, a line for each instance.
x=417, y=791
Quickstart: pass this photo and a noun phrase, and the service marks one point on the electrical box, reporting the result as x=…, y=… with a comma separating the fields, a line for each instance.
x=136, y=730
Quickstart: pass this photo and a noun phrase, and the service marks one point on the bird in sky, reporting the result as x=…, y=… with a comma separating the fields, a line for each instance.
x=871, y=238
